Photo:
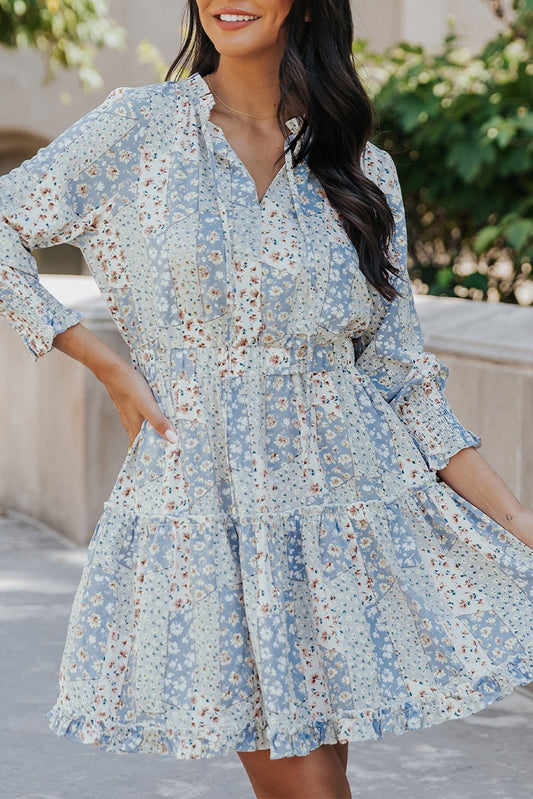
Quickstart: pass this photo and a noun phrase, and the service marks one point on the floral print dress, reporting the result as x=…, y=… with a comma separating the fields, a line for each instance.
x=292, y=572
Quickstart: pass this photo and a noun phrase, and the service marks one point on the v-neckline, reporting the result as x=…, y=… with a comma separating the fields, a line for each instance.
x=243, y=166
x=290, y=124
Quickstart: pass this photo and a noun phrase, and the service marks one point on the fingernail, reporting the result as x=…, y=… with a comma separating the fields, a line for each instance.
x=171, y=436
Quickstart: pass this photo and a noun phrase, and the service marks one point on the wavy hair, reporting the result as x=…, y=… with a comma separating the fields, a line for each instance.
x=317, y=74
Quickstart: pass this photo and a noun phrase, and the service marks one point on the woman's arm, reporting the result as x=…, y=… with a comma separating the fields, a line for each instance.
x=128, y=389
x=60, y=196
x=391, y=353
x=470, y=476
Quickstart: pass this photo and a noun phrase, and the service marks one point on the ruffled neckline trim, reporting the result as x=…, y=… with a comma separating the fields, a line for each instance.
x=206, y=102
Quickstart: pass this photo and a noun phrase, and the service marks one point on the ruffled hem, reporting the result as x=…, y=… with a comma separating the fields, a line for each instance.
x=291, y=740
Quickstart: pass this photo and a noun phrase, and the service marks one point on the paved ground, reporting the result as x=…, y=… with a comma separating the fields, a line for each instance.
x=488, y=756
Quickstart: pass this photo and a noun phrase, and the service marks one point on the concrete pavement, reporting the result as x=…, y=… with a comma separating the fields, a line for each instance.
x=487, y=756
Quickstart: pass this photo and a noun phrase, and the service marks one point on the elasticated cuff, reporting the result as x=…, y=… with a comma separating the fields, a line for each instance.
x=426, y=413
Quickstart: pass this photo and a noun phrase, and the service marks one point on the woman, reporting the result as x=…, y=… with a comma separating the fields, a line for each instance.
x=303, y=546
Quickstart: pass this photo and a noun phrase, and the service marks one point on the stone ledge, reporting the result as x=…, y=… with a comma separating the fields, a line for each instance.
x=495, y=332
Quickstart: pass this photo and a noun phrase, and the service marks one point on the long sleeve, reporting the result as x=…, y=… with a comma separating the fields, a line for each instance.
x=391, y=351
x=54, y=198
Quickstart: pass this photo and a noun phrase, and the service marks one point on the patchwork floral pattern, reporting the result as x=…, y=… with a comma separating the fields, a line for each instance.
x=292, y=572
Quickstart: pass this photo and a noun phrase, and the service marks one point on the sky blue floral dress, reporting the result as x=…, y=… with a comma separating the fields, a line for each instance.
x=292, y=572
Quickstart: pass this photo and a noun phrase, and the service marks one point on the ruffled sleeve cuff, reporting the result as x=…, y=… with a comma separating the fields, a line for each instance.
x=43, y=319
x=426, y=413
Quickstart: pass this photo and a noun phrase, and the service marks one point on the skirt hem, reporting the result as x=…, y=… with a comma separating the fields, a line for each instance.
x=290, y=739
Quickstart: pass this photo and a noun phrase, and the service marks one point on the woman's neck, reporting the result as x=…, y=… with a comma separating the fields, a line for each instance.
x=251, y=88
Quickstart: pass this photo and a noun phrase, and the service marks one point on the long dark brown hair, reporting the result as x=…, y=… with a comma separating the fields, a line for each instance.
x=317, y=74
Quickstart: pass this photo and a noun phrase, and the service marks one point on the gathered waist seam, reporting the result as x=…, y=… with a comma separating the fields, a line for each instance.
x=237, y=360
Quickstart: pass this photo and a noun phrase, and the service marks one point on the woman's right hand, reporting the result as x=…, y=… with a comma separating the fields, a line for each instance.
x=135, y=402
x=131, y=394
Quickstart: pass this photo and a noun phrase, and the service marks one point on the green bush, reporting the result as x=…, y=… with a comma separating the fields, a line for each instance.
x=68, y=32
x=461, y=129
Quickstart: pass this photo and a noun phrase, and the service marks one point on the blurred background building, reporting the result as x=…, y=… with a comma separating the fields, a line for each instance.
x=32, y=114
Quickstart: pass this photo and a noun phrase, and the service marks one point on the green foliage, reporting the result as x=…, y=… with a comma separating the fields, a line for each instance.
x=68, y=32
x=461, y=129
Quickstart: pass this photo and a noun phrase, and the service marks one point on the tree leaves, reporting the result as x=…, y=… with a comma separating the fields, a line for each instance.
x=460, y=126
x=68, y=33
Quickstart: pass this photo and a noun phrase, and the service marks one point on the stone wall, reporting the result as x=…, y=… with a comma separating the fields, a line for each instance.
x=62, y=444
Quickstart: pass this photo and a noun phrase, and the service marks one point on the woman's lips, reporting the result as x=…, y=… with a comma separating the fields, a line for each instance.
x=234, y=25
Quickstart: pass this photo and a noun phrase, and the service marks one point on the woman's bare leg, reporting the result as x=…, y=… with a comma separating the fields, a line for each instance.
x=342, y=754
x=319, y=775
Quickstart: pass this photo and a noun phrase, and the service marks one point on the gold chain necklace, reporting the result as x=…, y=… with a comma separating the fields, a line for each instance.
x=236, y=110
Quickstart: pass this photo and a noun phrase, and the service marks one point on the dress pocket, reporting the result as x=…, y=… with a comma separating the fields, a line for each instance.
x=134, y=444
